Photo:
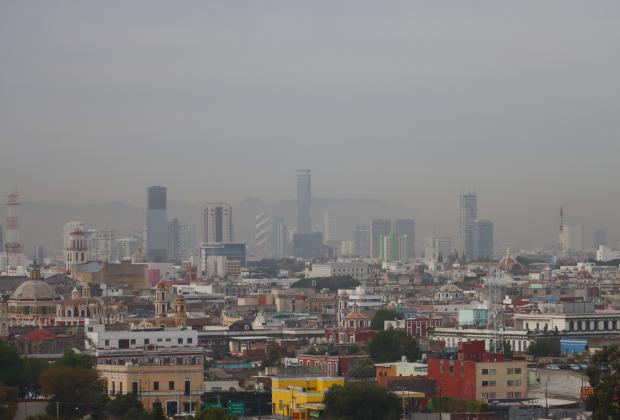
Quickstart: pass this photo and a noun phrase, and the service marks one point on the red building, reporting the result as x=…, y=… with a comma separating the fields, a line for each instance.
x=478, y=375
x=337, y=365
x=418, y=327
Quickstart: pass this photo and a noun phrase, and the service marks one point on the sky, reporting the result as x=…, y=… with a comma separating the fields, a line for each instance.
x=405, y=101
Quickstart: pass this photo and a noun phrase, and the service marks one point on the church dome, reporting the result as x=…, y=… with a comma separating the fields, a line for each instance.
x=34, y=290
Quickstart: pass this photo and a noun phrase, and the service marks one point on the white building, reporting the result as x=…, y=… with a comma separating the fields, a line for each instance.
x=355, y=269
x=101, y=245
x=217, y=224
x=329, y=227
x=517, y=339
x=437, y=248
x=604, y=254
x=360, y=297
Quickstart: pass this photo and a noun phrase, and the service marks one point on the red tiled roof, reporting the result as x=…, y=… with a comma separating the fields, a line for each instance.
x=38, y=335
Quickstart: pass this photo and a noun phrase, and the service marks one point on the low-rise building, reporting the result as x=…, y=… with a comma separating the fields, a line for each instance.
x=301, y=398
x=387, y=371
x=355, y=269
x=154, y=363
x=478, y=375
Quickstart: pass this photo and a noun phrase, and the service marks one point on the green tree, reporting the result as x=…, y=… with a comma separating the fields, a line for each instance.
x=75, y=360
x=29, y=373
x=77, y=390
x=604, y=375
x=10, y=364
x=365, y=369
x=214, y=413
x=390, y=345
x=361, y=401
x=122, y=404
x=378, y=321
x=158, y=411
x=273, y=357
x=545, y=347
x=136, y=414
x=8, y=401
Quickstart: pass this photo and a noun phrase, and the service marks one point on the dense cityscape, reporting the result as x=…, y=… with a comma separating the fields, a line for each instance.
x=298, y=210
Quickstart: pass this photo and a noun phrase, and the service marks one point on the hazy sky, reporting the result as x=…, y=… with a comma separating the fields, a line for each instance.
x=408, y=101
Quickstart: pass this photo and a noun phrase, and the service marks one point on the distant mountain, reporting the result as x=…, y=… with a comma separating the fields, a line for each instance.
x=42, y=223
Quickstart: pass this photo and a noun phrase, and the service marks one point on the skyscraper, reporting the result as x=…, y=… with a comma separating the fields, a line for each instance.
x=599, y=238
x=483, y=240
x=329, y=227
x=304, y=201
x=101, y=245
x=468, y=216
x=405, y=227
x=177, y=240
x=361, y=241
x=279, y=236
x=437, y=248
x=263, y=235
x=217, y=224
x=157, y=225
x=378, y=228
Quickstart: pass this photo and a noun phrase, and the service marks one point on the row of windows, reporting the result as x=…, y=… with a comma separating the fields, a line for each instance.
x=132, y=341
x=488, y=395
x=509, y=371
x=513, y=395
x=489, y=383
x=510, y=382
x=156, y=387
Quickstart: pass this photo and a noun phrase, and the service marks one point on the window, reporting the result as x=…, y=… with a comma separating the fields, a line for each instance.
x=133, y=341
x=489, y=383
x=517, y=371
x=156, y=386
x=159, y=340
x=187, y=387
x=510, y=395
x=190, y=340
x=517, y=395
x=514, y=382
x=488, y=371
x=168, y=340
x=107, y=343
x=113, y=388
x=120, y=387
x=134, y=388
x=146, y=341
x=171, y=385
x=180, y=341
x=492, y=395
x=510, y=371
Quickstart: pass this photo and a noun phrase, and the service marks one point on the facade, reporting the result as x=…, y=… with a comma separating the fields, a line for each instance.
x=329, y=365
x=356, y=269
x=300, y=398
x=605, y=254
x=156, y=225
x=217, y=223
x=177, y=240
x=437, y=248
x=69, y=228
x=329, y=227
x=405, y=227
x=378, y=229
x=421, y=326
x=77, y=250
x=101, y=245
x=309, y=245
x=279, y=236
x=518, y=340
x=126, y=247
x=384, y=372
x=33, y=302
x=234, y=251
x=361, y=241
x=304, y=201
x=571, y=239
x=123, y=275
x=263, y=235
x=483, y=240
x=468, y=215
x=478, y=375
x=156, y=364
x=4, y=320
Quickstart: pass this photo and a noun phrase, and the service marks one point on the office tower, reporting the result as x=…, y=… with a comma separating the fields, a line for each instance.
x=304, y=201
x=263, y=236
x=309, y=245
x=101, y=245
x=468, y=216
x=279, y=240
x=329, y=227
x=394, y=247
x=217, y=225
x=39, y=254
x=156, y=225
x=405, y=227
x=126, y=247
x=599, y=238
x=177, y=237
x=483, y=240
x=361, y=241
x=378, y=228
x=437, y=248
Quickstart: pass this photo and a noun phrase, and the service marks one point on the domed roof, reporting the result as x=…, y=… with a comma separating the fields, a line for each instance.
x=34, y=290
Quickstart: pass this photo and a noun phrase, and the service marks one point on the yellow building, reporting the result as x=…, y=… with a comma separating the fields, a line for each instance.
x=176, y=387
x=301, y=398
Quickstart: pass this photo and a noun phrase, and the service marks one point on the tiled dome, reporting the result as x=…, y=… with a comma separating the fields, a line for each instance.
x=34, y=290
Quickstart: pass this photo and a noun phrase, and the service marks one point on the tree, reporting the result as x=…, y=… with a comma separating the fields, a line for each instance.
x=136, y=414
x=361, y=401
x=214, y=413
x=378, y=321
x=75, y=360
x=273, y=357
x=8, y=402
x=390, y=345
x=604, y=375
x=122, y=404
x=78, y=390
x=508, y=353
x=10, y=364
x=29, y=373
x=365, y=369
x=158, y=411
x=545, y=347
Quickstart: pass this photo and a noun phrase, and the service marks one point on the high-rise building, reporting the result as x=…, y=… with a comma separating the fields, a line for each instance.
x=101, y=245
x=304, y=201
x=361, y=241
x=378, y=228
x=483, y=240
x=217, y=224
x=157, y=225
x=571, y=240
x=263, y=236
x=177, y=238
x=405, y=227
x=468, y=216
x=329, y=227
x=437, y=248
x=39, y=254
x=279, y=240
x=126, y=247
x=394, y=247
x=599, y=238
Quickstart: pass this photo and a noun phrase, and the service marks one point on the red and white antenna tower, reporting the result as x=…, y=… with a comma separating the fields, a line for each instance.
x=12, y=246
